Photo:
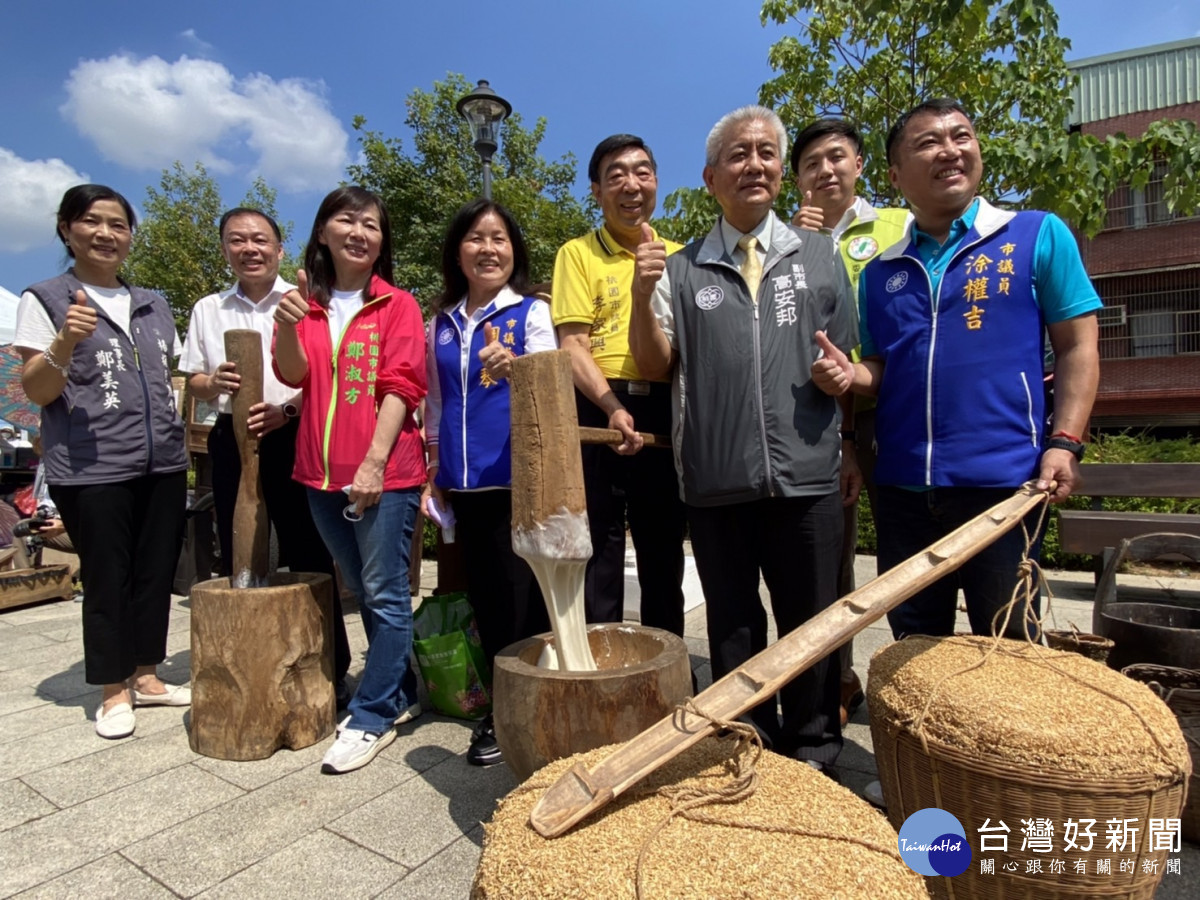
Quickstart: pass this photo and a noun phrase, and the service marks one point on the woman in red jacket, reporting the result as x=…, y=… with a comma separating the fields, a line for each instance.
x=354, y=344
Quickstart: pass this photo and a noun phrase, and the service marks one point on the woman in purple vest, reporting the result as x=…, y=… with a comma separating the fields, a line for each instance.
x=484, y=318
x=97, y=359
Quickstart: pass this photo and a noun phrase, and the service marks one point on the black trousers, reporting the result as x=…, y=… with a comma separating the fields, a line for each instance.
x=300, y=546
x=795, y=542
x=128, y=536
x=642, y=491
x=502, y=588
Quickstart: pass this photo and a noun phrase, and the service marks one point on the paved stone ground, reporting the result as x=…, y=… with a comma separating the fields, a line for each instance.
x=147, y=818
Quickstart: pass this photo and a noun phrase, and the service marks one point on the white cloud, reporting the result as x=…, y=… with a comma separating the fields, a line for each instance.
x=198, y=43
x=147, y=113
x=30, y=191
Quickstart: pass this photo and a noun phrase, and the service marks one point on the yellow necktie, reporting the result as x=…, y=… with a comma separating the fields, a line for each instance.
x=751, y=265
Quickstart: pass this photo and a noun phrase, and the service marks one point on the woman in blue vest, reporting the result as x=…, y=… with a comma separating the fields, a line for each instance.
x=97, y=358
x=484, y=318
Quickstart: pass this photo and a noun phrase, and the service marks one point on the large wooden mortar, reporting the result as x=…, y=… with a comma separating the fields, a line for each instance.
x=546, y=714
x=262, y=666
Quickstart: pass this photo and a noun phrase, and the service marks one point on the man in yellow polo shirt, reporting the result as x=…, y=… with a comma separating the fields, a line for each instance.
x=591, y=308
x=827, y=162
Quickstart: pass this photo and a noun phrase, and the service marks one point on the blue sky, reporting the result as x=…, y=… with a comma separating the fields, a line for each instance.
x=116, y=92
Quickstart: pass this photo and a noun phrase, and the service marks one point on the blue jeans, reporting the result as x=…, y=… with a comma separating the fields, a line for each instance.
x=906, y=522
x=373, y=557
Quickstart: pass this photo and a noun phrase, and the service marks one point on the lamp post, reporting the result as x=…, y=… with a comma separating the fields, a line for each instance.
x=484, y=110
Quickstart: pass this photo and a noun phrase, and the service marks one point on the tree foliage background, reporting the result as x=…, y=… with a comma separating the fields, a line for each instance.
x=424, y=184
x=176, y=250
x=871, y=60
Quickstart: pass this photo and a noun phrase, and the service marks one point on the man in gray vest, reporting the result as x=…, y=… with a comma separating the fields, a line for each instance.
x=730, y=320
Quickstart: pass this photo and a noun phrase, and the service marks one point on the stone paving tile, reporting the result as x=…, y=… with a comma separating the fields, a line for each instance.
x=447, y=876
x=18, y=643
x=78, y=737
x=17, y=694
x=253, y=774
x=423, y=816
x=52, y=656
x=109, y=878
x=207, y=849
x=319, y=864
x=20, y=803
x=126, y=762
x=54, y=844
x=46, y=716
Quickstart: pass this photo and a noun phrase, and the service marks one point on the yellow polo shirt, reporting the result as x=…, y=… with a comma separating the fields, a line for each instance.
x=593, y=276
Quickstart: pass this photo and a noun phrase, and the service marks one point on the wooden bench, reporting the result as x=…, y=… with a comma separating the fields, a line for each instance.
x=1096, y=530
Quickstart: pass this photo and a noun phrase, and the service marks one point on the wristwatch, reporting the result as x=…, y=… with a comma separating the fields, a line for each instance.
x=290, y=410
x=1062, y=443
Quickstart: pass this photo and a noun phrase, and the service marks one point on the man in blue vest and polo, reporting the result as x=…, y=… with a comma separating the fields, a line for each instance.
x=952, y=322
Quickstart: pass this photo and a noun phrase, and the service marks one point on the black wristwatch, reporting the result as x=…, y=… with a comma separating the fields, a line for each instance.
x=1062, y=443
x=290, y=410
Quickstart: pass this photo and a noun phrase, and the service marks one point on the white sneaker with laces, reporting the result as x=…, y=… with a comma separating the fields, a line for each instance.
x=354, y=749
x=408, y=714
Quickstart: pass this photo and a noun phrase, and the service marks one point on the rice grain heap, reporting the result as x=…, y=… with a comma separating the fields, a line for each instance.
x=1007, y=731
x=797, y=835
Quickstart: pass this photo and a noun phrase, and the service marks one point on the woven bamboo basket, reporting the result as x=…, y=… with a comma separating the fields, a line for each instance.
x=994, y=740
x=1093, y=646
x=797, y=835
x=1180, y=690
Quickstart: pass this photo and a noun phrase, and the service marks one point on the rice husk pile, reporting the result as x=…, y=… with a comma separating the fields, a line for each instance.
x=1026, y=705
x=844, y=849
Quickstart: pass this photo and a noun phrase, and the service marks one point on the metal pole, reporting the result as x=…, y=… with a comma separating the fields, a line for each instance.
x=487, y=178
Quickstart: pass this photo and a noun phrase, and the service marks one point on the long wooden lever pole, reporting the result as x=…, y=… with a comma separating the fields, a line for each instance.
x=580, y=792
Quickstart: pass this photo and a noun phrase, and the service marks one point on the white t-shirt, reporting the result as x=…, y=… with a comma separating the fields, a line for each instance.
x=212, y=316
x=35, y=328
x=342, y=307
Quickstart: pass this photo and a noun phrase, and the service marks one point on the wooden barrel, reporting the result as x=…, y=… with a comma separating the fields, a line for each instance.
x=544, y=714
x=262, y=666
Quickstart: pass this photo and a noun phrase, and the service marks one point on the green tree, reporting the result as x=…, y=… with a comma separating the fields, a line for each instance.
x=176, y=250
x=871, y=60
x=424, y=184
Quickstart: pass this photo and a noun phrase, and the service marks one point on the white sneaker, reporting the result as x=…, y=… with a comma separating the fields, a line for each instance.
x=354, y=749
x=408, y=714
x=118, y=722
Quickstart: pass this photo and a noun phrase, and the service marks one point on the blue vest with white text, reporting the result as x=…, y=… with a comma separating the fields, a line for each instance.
x=961, y=401
x=474, y=445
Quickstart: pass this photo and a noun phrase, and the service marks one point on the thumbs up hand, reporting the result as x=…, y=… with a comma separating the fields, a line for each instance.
x=833, y=372
x=80, y=322
x=809, y=217
x=293, y=306
x=650, y=262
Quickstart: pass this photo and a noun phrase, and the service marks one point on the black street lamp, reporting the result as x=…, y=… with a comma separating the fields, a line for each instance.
x=484, y=110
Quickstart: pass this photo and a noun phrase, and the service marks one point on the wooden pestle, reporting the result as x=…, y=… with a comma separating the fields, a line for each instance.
x=251, y=531
x=549, y=507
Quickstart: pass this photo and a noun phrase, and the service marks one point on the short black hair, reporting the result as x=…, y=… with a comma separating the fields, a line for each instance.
x=612, y=144
x=823, y=128
x=941, y=106
x=454, y=280
x=79, y=199
x=247, y=211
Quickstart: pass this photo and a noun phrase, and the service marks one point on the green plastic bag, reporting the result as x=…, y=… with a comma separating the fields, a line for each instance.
x=448, y=650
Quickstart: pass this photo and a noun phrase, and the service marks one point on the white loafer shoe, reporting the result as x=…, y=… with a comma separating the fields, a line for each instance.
x=176, y=695
x=118, y=722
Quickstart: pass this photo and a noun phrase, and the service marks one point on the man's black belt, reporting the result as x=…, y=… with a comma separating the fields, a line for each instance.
x=636, y=388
